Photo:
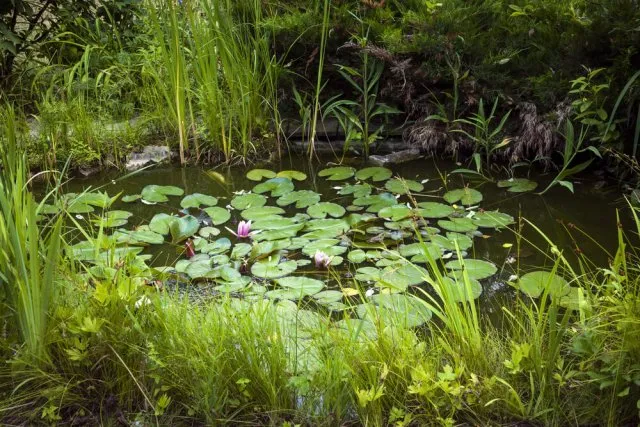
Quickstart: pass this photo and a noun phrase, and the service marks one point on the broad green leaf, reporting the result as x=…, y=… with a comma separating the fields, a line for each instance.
x=357, y=256
x=260, y=174
x=435, y=210
x=466, y=196
x=196, y=200
x=322, y=209
x=395, y=212
x=144, y=237
x=114, y=219
x=275, y=186
x=208, y=232
x=131, y=198
x=160, y=223
x=376, y=173
x=518, y=185
x=358, y=190
x=492, y=219
x=271, y=267
x=182, y=228
x=247, y=201
x=401, y=276
x=337, y=173
x=403, y=186
x=535, y=283
x=263, y=212
x=328, y=246
x=297, y=175
x=475, y=268
x=305, y=285
x=458, y=290
x=302, y=198
x=159, y=193
x=459, y=225
x=397, y=310
x=218, y=215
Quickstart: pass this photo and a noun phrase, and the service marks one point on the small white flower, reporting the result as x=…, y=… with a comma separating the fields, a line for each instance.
x=337, y=187
x=513, y=278
x=78, y=216
x=447, y=255
x=369, y=292
x=229, y=207
x=113, y=181
x=510, y=260
x=408, y=205
x=398, y=196
x=424, y=181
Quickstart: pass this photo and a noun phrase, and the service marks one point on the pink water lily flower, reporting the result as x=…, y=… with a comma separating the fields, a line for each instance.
x=244, y=227
x=322, y=260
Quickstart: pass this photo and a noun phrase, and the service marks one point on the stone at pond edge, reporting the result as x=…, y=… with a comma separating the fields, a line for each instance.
x=149, y=154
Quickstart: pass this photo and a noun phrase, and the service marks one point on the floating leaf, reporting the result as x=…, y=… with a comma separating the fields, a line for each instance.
x=275, y=229
x=218, y=247
x=518, y=185
x=475, y=268
x=304, y=285
x=139, y=237
x=160, y=223
x=435, y=210
x=302, y=198
x=240, y=250
x=403, y=186
x=325, y=228
x=131, y=198
x=368, y=274
x=182, y=228
x=459, y=225
x=575, y=299
x=395, y=212
x=271, y=268
x=466, y=196
x=113, y=219
x=250, y=200
x=322, y=209
x=196, y=200
x=297, y=175
x=276, y=186
x=404, y=310
x=357, y=190
x=376, y=173
x=159, y=193
x=376, y=202
x=260, y=174
x=337, y=173
x=208, y=232
x=401, y=276
x=535, y=283
x=218, y=215
x=328, y=246
x=492, y=219
x=328, y=297
x=453, y=241
x=263, y=212
x=357, y=256
x=458, y=289
x=421, y=252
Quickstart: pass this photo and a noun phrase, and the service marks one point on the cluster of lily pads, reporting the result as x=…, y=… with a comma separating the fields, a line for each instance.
x=376, y=229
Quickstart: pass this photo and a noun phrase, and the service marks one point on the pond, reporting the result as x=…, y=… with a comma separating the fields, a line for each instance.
x=357, y=215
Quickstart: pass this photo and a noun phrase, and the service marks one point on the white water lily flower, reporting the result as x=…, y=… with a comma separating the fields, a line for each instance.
x=78, y=216
x=424, y=181
x=513, y=278
x=369, y=292
x=337, y=187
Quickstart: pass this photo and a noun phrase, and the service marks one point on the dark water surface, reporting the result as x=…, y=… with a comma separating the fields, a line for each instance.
x=559, y=214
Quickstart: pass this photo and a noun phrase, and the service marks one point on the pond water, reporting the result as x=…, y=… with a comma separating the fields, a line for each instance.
x=559, y=214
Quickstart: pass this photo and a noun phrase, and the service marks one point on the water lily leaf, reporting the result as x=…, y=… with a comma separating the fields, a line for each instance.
x=297, y=175
x=435, y=210
x=368, y=274
x=144, y=237
x=328, y=246
x=247, y=201
x=159, y=193
x=240, y=250
x=160, y=223
x=272, y=268
x=575, y=299
x=75, y=207
x=328, y=297
x=297, y=243
x=475, y=268
x=459, y=225
x=199, y=269
x=376, y=173
x=218, y=215
x=458, y=289
x=449, y=242
x=221, y=245
x=182, y=228
x=376, y=202
x=197, y=199
x=337, y=173
x=93, y=198
x=421, y=252
x=466, y=196
x=208, y=232
x=535, y=283
x=357, y=190
x=357, y=256
x=113, y=219
x=302, y=198
x=260, y=174
x=322, y=209
x=277, y=231
x=492, y=219
x=518, y=185
x=404, y=310
x=401, y=276
x=275, y=186
x=403, y=186
x=263, y=212
x=395, y=212
x=306, y=285
x=325, y=228
x=131, y=198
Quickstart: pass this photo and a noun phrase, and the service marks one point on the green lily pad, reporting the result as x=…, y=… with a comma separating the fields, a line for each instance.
x=421, y=252
x=240, y=250
x=403, y=186
x=337, y=173
x=466, y=196
x=401, y=276
x=325, y=228
x=182, y=228
x=217, y=247
x=395, y=212
x=368, y=274
x=376, y=173
x=357, y=190
x=435, y=210
x=144, y=237
x=159, y=193
x=322, y=209
x=208, y=232
x=114, y=219
x=275, y=186
x=476, y=268
x=297, y=175
x=302, y=198
x=218, y=214
x=131, y=198
x=535, y=283
x=459, y=225
x=272, y=268
x=263, y=212
x=93, y=198
x=260, y=174
x=247, y=201
x=328, y=296
x=492, y=219
x=518, y=185
x=328, y=246
x=274, y=229
x=376, y=202
x=160, y=223
x=196, y=200
x=462, y=241
x=305, y=285
x=575, y=299
x=458, y=289
x=357, y=256
x=404, y=310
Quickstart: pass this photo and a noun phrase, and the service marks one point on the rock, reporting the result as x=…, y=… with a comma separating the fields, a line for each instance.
x=89, y=171
x=149, y=154
x=396, y=158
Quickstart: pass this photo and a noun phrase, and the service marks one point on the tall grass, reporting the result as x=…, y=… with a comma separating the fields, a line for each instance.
x=324, y=35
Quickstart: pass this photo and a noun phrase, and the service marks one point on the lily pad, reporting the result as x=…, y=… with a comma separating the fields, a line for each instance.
x=376, y=202
x=401, y=276
x=325, y=228
x=575, y=299
x=357, y=190
x=160, y=223
x=337, y=173
x=297, y=175
x=197, y=199
x=302, y=198
x=401, y=309
x=240, y=250
x=114, y=219
x=322, y=209
x=159, y=193
x=458, y=289
x=403, y=186
x=376, y=173
x=535, y=283
x=518, y=185
x=453, y=241
x=275, y=186
x=182, y=228
x=272, y=268
x=208, y=232
x=328, y=246
x=492, y=219
x=248, y=201
x=357, y=256
x=144, y=237
x=459, y=225
x=131, y=198
x=328, y=296
x=466, y=196
x=260, y=174
x=395, y=212
x=435, y=210
x=475, y=268
x=218, y=215
x=304, y=285
x=262, y=212
x=368, y=274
